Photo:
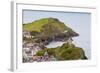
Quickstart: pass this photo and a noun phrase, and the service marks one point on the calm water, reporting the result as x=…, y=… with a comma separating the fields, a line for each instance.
x=54, y=44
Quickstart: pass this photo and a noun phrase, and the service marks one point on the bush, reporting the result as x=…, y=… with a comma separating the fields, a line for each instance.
x=69, y=52
x=65, y=52
x=40, y=53
x=34, y=33
x=51, y=51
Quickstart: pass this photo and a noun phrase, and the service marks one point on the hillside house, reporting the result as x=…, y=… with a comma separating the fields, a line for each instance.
x=27, y=34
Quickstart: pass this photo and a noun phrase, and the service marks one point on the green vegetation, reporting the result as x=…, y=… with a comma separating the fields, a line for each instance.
x=65, y=52
x=37, y=25
x=51, y=51
x=34, y=33
x=47, y=29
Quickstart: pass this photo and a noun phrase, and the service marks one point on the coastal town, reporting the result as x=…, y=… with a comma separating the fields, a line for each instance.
x=30, y=50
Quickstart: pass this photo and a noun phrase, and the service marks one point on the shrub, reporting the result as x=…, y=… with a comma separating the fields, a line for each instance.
x=40, y=53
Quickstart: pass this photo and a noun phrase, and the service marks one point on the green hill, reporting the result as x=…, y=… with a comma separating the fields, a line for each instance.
x=37, y=25
x=49, y=29
x=65, y=52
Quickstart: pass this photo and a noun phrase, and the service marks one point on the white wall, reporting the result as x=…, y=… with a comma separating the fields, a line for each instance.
x=5, y=35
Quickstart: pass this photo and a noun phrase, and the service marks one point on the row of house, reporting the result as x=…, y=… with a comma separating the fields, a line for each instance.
x=29, y=50
x=27, y=34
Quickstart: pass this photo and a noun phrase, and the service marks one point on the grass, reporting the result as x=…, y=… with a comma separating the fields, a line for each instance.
x=65, y=52
x=37, y=24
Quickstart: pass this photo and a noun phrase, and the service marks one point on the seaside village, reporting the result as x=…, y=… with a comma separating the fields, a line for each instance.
x=30, y=49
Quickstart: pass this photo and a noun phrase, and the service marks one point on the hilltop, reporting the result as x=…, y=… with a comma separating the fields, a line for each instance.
x=37, y=24
x=48, y=29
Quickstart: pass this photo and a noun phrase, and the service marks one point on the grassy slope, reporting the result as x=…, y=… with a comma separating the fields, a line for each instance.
x=37, y=25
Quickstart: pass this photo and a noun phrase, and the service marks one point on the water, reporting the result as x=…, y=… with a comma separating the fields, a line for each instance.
x=54, y=44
